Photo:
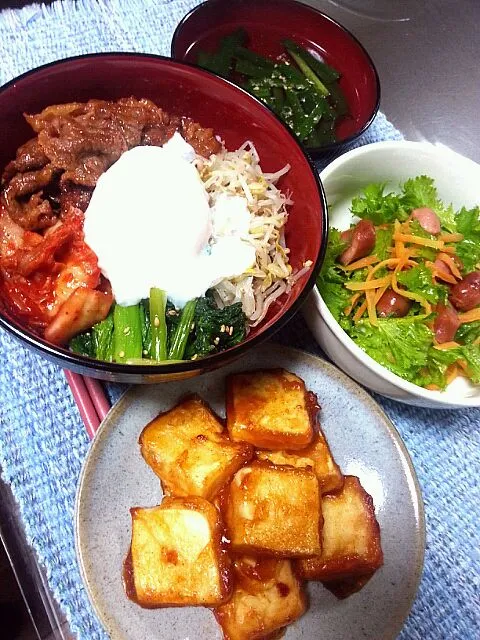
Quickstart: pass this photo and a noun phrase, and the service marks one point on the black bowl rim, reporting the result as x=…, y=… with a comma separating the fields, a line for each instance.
x=315, y=152
x=73, y=360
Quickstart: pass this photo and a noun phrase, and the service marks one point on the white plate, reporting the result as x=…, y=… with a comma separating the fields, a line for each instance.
x=364, y=443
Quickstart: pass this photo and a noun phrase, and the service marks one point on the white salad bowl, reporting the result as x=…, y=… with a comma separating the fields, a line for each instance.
x=458, y=182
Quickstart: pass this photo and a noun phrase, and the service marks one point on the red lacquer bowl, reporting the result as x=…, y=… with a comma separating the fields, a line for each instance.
x=236, y=116
x=267, y=23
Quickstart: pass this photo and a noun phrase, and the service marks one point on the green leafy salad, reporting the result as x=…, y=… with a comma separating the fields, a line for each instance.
x=404, y=283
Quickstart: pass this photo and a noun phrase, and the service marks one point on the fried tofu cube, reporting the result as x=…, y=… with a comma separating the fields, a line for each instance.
x=176, y=555
x=189, y=449
x=317, y=456
x=274, y=510
x=270, y=409
x=351, y=536
x=267, y=596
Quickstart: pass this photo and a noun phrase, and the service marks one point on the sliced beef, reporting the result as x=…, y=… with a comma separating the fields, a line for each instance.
x=202, y=140
x=30, y=157
x=156, y=135
x=23, y=198
x=72, y=195
x=75, y=144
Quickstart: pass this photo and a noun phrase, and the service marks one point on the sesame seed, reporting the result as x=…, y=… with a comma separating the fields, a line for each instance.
x=145, y=352
x=216, y=341
x=172, y=312
x=192, y=326
x=195, y=356
x=231, y=330
x=126, y=331
x=156, y=321
x=222, y=328
x=121, y=354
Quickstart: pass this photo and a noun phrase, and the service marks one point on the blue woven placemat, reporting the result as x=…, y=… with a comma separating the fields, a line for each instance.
x=43, y=442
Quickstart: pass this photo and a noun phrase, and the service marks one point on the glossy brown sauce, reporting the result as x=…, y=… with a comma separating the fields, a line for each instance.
x=127, y=575
x=282, y=589
x=312, y=406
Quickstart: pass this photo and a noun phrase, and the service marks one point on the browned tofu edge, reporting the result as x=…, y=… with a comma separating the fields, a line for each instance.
x=218, y=535
x=315, y=568
x=270, y=441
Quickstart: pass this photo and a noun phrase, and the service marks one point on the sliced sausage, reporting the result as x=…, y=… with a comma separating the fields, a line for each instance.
x=446, y=323
x=465, y=295
x=361, y=239
x=441, y=266
x=393, y=305
x=427, y=219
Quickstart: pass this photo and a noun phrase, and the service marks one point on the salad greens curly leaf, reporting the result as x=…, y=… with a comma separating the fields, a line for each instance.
x=383, y=242
x=406, y=345
x=420, y=280
x=331, y=279
x=468, y=223
x=377, y=206
x=381, y=207
x=400, y=344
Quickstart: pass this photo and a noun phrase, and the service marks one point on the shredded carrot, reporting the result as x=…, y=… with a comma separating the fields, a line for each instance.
x=404, y=260
x=476, y=341
x=452, y=373
x=360, y=311
x=369, y=284
x=432, y=387
x=451, y=237
x=360, y=264
x=348, y=310
x=371, y=310
x=399, y=246
x=448, y=249
x=446, y=259
x=446, y=345
x=470, y=316
x=424, y=242
x=463, y=364
x=389, y=262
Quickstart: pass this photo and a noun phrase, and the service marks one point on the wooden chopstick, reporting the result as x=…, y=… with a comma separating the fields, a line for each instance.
x=90, y=399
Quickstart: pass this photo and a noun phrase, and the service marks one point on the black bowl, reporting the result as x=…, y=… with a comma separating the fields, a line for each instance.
x=268, y=23
x=181, y=89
